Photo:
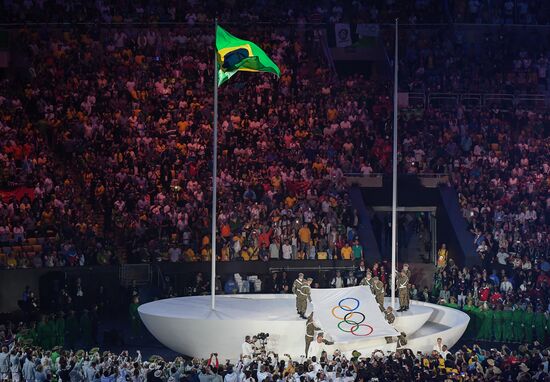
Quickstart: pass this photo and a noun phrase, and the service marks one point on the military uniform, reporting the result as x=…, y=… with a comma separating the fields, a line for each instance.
x=310, y=331
x=407, y=272
x=402, y=340
x=390, y=317
x=379, y=292
x=295, y=288
x=367, y=281
x=303, y=296
x=403, y=288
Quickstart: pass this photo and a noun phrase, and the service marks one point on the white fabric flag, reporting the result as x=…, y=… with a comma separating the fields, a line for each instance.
x=350, y=314
x=343, y=35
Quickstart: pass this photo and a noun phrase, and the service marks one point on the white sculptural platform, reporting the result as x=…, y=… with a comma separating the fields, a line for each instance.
x=187, y=325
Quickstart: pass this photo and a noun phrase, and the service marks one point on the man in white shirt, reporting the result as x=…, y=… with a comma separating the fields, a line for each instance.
x=233, y=373
x=444, y=351
x=4, y=364
x=502, y=257
x=438, y=347
x=247, y=348
x=318, y=346
x=15, y=366
x=337, y=281
x=506, y=286
x=287, y=250
x=262, y=373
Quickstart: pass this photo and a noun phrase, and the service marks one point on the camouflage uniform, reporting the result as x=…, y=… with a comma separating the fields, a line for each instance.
x=402, y=340
x=310, y=331
x=379, y=292
x=303, y=296
x=403, y=288
x=368, y=281
x=390, y=317
x=296, y=287
x=407, y=271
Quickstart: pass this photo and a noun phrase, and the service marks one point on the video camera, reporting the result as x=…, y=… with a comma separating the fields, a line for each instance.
x=262, y=336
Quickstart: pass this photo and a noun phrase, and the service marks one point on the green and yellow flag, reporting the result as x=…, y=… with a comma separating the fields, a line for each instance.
x=235, y=54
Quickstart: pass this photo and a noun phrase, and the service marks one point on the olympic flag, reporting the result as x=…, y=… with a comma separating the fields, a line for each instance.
x=350, y=314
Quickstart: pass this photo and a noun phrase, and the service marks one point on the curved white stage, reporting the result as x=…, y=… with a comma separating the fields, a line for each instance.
x=188, y=325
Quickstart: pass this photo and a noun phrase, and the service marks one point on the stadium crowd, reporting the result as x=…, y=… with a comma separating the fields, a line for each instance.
x=524, y=12
x=139, y=139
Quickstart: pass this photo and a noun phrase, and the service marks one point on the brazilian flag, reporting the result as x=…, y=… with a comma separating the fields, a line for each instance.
x=235, y=55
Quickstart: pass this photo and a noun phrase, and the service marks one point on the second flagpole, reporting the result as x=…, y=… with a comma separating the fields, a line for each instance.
x=394, y=175
x=214, y=176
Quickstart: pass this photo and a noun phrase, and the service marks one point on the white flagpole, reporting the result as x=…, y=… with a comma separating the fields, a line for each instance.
x=394, y=175
x=214, y=176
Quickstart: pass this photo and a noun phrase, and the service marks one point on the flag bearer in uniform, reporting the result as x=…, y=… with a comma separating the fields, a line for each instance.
x=379, y=292
x=407, y=271
x=310, y=331
x=368, y=281
x=304, y=295
x=403, y=290
x=390, y=317
x=296, y=287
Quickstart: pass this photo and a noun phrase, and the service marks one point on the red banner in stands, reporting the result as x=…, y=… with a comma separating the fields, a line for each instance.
x=17, y=192
x=297, y=187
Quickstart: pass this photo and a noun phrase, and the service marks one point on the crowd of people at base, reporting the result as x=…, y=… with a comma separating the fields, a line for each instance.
x=21, y=360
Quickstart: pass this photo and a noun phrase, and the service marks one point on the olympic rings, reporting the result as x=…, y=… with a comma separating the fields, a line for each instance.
x=339, y=307
x=355, y=325
x=344, y=322
x=349, y=298
x=346, y=319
